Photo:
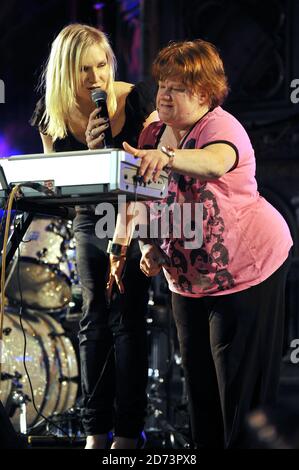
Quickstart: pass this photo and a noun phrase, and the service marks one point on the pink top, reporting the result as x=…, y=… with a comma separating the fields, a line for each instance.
x=245, y=239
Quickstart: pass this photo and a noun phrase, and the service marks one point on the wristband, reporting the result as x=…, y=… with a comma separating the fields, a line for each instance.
x=169, y=151
x=116, y=249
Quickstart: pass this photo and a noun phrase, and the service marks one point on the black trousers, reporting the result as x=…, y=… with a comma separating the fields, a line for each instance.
x=231, y=347
x=113, y=342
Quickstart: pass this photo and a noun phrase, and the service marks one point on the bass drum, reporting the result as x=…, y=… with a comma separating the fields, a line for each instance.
x=42, y=272
x=51, y=363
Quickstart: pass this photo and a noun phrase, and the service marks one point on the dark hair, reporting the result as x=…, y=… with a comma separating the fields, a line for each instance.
x=199, y=252
x=223, y=250
x=182, y=280
x=226, y=277
x=183, y=261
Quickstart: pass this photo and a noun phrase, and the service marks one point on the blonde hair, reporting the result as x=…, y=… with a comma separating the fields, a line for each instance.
x=61, y=77
x=198, y=64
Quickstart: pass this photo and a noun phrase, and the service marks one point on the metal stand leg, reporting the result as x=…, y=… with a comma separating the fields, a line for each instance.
x=165, y=380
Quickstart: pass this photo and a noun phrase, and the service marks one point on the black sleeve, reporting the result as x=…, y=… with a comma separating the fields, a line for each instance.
x=141, y=102
x=37, y=119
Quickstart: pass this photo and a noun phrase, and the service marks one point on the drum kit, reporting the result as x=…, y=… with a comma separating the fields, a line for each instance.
x=40, y=279
x=43, y=279
x=43, y=271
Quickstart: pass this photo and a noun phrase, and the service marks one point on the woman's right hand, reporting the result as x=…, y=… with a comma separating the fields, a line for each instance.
x=117, y=264
x=151, y=260
x=94, y=133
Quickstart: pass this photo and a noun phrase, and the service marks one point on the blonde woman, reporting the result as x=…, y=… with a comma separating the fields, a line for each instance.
x=112, y=340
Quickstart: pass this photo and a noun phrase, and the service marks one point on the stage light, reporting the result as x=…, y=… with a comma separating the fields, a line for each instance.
x=6, y=149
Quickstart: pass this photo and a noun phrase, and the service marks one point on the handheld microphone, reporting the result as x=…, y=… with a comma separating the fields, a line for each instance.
x=99, y=97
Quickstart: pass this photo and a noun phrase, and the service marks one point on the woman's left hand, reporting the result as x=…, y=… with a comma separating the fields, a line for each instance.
x=117, y=264
x=152, y=161
x=95, y=131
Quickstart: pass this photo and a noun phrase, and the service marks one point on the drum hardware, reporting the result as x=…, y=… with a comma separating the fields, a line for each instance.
x=21, y=223
x=9, y=439
x=73, y=317
x=55, y=334
x=75, y=379
x=42, y=253
x=168, y=420
x=6, y=331
x=151, y=300
x=17, y=399
x=62, y=428
x=167, y=436
x=60, y=228
x=61, y=425
x=56, y=442
x=74, y=310
x=7, y=376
